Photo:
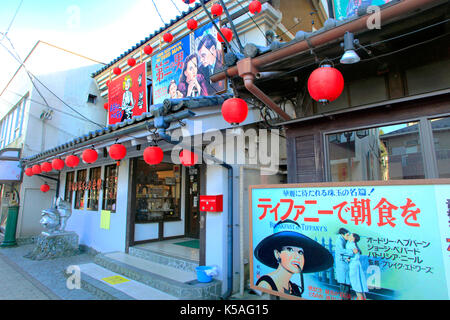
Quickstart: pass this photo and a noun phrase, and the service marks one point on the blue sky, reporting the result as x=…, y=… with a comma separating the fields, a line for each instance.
x=101, y=29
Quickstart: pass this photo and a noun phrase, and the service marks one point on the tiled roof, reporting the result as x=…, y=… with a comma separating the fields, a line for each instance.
x=176, y=103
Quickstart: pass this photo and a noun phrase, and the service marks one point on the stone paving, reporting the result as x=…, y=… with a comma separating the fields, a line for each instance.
x=25, y=279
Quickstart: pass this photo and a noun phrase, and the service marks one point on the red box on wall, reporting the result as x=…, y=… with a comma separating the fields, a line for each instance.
x=211, y=203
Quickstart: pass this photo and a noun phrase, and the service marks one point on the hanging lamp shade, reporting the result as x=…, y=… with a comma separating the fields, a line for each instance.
x=45, y=187
x=255, y=7
x=168, y=37
x=227, y=33
x=117, y=71
x=57, y=164
x=188, y=158
x=29, y=172
x=117, y=151
x=325, y=84
x=36, y=169
x=192, y=24
x=46, y=166
x=148, y=49
x=72, y=161
x=89, y=155
x=153, y=155
x=234, y=110
x=131, y=62
x=216, y=9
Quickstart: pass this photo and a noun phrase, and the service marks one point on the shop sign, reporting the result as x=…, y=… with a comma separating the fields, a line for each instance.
x=127, y=95
x=344, y=9
x=395, y=242
x=86, y=185
x=10, y=168
x=183, y=69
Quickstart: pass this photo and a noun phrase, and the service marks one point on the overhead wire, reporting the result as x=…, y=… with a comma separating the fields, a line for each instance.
x=12, y=21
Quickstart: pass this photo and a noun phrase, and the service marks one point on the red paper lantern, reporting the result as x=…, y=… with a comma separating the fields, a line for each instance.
x=234, y=110
x=57, y=164
x=148, y=49
x=168, y=37
x=216, y=9
x=29, y=172
x=325, y=84
x=188, y=1
x=192, y=24
x=106, y=106
x=188, y=158
x=45, y=187
x=255, y=7
x=117, y=71
x=131, y=62
x=72, y=161
x=227, y=33
x=46, y=166
x=153, y=155
x=89, y=155
x=36, y=169
x=117, y=151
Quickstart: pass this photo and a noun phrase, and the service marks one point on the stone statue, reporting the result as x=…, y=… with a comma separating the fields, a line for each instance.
x=54, y=219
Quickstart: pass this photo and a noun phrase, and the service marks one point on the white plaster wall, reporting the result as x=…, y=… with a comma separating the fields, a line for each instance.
x=86, y=223
x=216, y=223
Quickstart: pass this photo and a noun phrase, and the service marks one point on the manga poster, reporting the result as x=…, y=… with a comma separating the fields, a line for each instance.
x=184, y=68
x=342, y=241
x=347, y=8
x=127, y=95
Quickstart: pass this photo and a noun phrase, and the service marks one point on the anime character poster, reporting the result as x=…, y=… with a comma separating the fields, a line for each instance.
x=347, y=8
x=127, y=95
x=184, y=69
x=338, y=241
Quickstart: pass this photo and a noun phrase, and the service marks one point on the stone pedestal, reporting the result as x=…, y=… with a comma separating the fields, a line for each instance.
x=51, y=246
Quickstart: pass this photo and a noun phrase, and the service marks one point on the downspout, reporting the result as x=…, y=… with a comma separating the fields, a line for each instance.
x=248, y=72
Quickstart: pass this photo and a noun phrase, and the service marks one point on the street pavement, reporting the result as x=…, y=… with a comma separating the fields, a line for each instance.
x=25, y=279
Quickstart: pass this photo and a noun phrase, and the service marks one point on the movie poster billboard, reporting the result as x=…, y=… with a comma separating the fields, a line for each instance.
x=347, y=8
x=184, y=68
x=127, y=95
x=341, y=241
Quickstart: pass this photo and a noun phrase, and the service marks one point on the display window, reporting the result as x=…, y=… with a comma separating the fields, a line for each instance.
x=93, y=188
x=80, y=189
x=110, y=188
x=158, y=192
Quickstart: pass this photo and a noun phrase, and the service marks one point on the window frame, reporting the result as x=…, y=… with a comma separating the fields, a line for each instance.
x=90, y=190
x=68, y=187
x=425, y=139
x=105, y=184
x=82, y=192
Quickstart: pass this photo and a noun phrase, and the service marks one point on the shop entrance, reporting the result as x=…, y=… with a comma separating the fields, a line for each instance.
x=192, y=227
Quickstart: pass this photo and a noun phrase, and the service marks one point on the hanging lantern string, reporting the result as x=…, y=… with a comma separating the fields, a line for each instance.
x=182, y=16
x=326, y=61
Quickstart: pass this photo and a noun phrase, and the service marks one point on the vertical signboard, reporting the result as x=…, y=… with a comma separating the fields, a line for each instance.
x=127, y=95
x=184, y=68
x=338, y=241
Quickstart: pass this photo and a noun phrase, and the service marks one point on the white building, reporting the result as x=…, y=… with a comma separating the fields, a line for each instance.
x=48, y=100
